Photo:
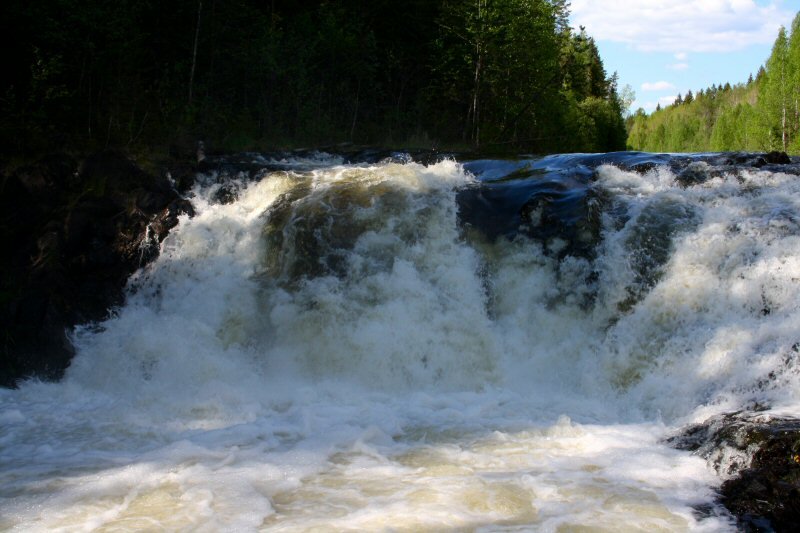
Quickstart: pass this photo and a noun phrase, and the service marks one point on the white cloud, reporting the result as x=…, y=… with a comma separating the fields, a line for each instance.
x=667, y=100
x=657, y=86
x=651, y=105
x=681, y=56
x=682, y=26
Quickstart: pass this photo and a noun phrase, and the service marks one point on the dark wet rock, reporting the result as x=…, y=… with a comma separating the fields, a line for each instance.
x=48, y=176
x=575, y=221
x=651, y=241
x=181, y=175
x=769, y=490
x=73, y=234
x=312, y=235
x=792, y=169
x=537, y=209
x=227, y=193
x=727, y=441
x=354, y=154
x=643, y=168
x=695, y=173
x=760, y=457
x=736, y=159
x=549, y=200
x=749, y=159
x=777, y=158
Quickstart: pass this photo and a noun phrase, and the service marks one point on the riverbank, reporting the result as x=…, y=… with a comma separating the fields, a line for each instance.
x=73, y=231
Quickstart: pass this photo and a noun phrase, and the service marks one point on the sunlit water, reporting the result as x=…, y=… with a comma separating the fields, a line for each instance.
x=339, y=349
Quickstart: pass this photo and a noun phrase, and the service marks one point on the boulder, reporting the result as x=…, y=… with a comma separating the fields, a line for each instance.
x=777, y=158
x=760, y=458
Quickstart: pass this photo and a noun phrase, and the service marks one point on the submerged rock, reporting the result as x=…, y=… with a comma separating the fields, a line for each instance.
x=546, y=202
x=694, y=174
x=651, y=240
x=760, y=457
x=73, y=234
x=312, y=234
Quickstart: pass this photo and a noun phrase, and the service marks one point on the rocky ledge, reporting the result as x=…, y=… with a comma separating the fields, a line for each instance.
x=72, y=233
x=759, y=457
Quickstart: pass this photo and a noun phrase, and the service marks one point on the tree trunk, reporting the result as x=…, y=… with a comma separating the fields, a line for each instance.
x=783, y=129
x=194, y=50
x=479, y=50
x=476, y=126
x=355, y=113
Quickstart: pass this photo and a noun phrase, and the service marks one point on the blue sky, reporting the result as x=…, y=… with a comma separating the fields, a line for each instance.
x=662, y=48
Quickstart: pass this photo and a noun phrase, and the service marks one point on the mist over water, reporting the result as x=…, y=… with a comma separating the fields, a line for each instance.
x=498, y=345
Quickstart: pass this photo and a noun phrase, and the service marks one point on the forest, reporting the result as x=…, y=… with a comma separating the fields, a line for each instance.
x=142, y=75
x=762, y=114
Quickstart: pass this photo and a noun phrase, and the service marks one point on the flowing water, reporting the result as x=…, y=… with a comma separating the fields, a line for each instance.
x=390, y=346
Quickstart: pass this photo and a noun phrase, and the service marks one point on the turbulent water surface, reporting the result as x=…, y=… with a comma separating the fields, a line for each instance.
x=493, y=345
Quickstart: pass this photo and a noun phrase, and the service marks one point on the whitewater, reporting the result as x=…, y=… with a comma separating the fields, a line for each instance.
x=394, y=346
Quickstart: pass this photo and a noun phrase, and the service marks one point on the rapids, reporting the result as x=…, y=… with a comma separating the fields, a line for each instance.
x=392, y=346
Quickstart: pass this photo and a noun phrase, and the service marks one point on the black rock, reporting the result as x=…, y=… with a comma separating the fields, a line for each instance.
x=227, y=193
x=694, y=174
x=73, y=235
x=761, y=455
x=643, y=168
x=777, y=158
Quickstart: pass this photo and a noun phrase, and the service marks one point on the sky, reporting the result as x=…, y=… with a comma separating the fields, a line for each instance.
x=662, y=48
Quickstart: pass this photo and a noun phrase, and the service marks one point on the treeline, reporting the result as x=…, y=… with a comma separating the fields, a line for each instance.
x=762, y=114
x=247, y=74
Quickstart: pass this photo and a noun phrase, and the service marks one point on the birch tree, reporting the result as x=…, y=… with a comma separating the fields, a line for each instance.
x=775, y=97
x=794, y=82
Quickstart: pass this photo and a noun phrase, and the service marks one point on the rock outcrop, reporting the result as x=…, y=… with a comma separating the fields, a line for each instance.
x=72, y=233
x=759, y=457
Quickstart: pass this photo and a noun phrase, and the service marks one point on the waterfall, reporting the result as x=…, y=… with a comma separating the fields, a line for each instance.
x=405, y=347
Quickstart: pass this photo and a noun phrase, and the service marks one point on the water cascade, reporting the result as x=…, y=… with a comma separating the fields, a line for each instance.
x=393, y=346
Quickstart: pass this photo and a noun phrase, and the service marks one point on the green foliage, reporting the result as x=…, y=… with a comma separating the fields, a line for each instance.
x=774, y=95
x=499, y=72
x=762, y=114
x=244, y=74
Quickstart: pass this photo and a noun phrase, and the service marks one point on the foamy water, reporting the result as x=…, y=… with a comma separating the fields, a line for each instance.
x=335, y=351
